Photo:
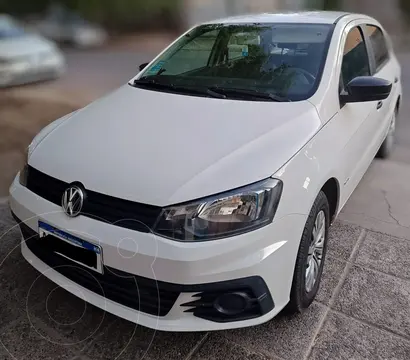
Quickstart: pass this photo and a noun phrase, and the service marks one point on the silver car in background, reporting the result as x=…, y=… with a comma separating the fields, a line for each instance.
x=26, y=57
x=65, y=26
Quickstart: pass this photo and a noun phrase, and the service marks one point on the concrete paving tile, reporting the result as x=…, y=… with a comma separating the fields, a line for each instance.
x=379, y=203
x=72, y=317
x=10, y=250
x=9, y=311
x=376, y=224
x=332, y=273
x=124, y=340
x=4, y=355
x=287, y=337
x=25, y=285
x=10, y=253
x=10, y=239
x=342, y=239
x=217, y=348
x=5, y=214
x=345, y=338
x=22, y=341
x=385, y=253
x=377, y=298
x=8, y=225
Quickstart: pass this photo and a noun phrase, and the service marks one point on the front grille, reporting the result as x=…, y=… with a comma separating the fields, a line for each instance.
x=119, y=212
x=142, y=294
x=45, y=186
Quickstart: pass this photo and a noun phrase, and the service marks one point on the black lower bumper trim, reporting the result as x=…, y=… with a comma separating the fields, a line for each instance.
x=151, y=296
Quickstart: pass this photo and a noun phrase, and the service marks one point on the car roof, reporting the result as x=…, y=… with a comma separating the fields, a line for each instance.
x=313, y=17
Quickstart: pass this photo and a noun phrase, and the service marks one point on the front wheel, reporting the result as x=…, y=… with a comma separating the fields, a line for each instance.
x=388, y=143
x=311, y=256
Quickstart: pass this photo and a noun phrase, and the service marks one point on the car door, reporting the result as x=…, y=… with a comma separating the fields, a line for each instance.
x=385, y=66
x=356, y=120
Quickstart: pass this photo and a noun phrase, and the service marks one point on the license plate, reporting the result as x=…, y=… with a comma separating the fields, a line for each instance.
x=71, y=247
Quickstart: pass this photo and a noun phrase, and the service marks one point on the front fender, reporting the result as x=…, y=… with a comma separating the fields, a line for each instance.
x=308, y=171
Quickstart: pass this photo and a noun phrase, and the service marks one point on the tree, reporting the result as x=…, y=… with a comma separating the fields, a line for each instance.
x=331, y=4
x=405, y=9
x=324, y=4
x=114, y=14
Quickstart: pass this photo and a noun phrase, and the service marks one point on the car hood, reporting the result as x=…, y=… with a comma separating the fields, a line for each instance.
x=160, y=148
x=25, y=45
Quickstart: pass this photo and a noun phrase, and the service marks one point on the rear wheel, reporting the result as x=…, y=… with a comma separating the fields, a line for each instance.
x=311, y=256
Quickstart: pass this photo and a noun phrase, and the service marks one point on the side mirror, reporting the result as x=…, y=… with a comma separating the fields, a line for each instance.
x=366, y=88
x=143, y=66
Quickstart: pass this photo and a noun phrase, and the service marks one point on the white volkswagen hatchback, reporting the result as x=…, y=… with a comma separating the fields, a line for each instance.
x=199, y=195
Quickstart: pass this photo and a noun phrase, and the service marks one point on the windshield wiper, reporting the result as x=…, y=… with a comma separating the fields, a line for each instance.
x=178, y=88
x=248, y=93
x=153, y=83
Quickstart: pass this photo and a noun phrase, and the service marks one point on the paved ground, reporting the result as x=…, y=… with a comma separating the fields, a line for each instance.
x=362, y=311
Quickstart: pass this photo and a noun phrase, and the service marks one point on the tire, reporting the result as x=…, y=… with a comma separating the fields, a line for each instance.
x=303, y=291
x=388, y=143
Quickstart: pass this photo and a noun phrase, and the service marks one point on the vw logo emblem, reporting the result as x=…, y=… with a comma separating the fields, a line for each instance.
x=73, y=201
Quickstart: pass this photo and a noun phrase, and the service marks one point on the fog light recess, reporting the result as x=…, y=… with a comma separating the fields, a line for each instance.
x=232, y=300
x=231, y=304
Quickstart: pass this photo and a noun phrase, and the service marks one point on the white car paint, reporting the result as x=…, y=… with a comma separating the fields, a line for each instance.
x=191, y=178
x=127, y=146
x=22, y=46
x=27, y=57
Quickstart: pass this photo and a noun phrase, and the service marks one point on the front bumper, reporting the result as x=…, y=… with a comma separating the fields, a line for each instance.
x=259, y=264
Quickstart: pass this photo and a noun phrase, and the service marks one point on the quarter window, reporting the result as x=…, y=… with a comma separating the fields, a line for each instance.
x=379, y=45
x=355, y=57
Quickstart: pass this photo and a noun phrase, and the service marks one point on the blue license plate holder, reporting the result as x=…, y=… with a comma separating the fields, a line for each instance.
x=71, y=247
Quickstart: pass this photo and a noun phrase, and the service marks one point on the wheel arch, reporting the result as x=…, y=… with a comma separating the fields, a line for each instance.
x=398, y=104
x=332, y=191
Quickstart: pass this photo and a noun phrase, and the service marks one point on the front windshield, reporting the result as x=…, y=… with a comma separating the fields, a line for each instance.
x=9, y=28
x=280, y=59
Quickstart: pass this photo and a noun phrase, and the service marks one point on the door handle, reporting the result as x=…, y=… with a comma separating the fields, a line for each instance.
x=379, y=105
x=396, y=80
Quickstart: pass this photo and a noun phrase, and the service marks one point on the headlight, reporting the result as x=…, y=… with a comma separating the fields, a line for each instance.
x=24, y=170
x=224, y=215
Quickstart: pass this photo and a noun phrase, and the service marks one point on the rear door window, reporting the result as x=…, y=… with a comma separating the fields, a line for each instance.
x=355, y=57
x=379, y=45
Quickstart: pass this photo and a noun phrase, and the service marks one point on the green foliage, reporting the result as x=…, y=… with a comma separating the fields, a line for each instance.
x=324, y=4
x=331, y=4
x=117, y=14
x=405, y=8
x=22, y=6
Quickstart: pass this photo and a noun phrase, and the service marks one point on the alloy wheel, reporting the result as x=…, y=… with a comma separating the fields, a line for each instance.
x=315, y=255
